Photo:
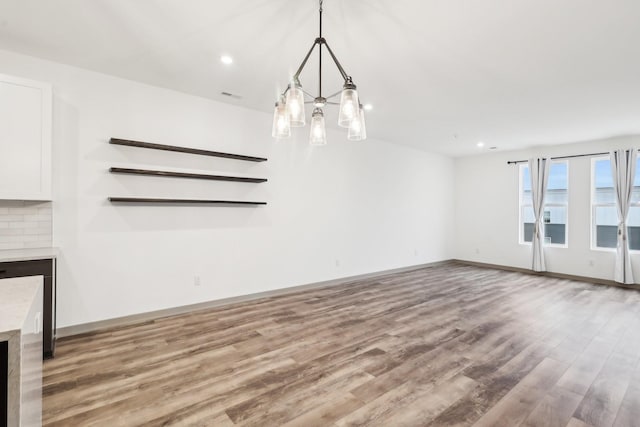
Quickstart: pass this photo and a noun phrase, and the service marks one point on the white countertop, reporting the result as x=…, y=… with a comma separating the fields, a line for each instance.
x=16, y=298
x=9, y=255
x=21, y=327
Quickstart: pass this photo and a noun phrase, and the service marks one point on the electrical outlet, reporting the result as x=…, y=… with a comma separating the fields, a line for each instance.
x=337, y=263
x=415, y=252
x=477, y=251
x=37, y=324
x=591, y=263
x=196, y=280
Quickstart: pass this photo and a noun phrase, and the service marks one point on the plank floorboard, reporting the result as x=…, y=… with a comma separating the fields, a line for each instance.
x=449, y=345
x=555, y=409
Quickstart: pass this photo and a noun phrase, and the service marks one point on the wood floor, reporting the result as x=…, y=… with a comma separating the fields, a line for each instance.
x=451, y=345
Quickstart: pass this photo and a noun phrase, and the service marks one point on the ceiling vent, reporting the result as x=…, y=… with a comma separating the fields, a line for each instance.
x=231, y=95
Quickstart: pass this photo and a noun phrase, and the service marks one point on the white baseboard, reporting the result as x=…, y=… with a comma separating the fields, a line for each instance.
x=152, y=315
x=587, y=279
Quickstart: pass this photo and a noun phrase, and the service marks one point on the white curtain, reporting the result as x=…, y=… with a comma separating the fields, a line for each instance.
x=623, y=169
x=539, y=171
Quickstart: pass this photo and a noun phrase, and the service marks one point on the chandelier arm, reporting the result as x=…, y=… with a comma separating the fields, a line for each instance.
x=310, y=95
x=342, y=72
x=304, y=61
x=334, y=94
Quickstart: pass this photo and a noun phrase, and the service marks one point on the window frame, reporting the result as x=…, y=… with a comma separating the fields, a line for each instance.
x=592, y=221
x=522, y=206
x=593, y=232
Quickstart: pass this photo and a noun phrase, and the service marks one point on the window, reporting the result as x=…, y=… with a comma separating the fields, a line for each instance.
x=555, y=207
x=604, y=214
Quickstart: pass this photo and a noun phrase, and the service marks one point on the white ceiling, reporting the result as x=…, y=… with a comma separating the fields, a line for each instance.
x=441, y=74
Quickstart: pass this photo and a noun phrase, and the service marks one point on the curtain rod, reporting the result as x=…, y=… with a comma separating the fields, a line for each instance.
x=513, y=162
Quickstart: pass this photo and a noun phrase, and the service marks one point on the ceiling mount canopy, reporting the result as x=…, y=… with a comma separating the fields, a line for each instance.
x=289, y=110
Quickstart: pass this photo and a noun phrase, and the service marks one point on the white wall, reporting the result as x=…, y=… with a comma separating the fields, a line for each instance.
x=486, y=206
x=335, y=211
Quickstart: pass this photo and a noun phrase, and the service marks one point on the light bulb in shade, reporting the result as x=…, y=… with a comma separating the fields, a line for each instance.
x=349, y=104
x=281, y=123
x=357, y=129
x=318, y=134
x=295, y=105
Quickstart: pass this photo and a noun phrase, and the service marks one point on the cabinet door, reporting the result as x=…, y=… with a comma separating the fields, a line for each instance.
x=25, y=139
x=4, y=382
x=48, y=331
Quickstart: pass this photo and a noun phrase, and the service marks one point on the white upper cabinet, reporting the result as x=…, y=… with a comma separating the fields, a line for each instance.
x=25, y=139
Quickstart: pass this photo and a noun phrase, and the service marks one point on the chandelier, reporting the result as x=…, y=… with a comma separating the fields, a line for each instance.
x=289, y=111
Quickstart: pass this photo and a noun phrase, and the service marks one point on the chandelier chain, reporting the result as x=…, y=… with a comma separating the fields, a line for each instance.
x=320, y=13
x=320, y=55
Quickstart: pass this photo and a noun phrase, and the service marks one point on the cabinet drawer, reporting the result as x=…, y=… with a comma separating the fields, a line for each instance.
x=42, y=267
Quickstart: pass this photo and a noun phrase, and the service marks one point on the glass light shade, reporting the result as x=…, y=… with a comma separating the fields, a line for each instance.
x=349, y=106
x=357, y=129
x=281, y=124
x=318, y=133
x=295, y=105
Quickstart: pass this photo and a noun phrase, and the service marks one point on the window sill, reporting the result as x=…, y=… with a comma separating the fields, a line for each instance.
x=552, y=245
x=597, y=249
x=613, y=250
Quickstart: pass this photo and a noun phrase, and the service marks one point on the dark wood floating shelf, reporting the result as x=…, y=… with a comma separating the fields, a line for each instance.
x=198, y=151
x=185, y=175
x=182, y=201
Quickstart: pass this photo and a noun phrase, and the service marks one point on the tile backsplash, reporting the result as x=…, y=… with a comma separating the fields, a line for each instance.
x=25, y=224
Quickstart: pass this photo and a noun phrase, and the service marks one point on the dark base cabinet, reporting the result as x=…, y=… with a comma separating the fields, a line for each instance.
x=4, y=382
x=46, y=268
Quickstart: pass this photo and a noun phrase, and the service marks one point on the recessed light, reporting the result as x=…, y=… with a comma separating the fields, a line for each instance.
x=226, y=59
x=493, y=148
x=368, y=107
x=480, y=144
